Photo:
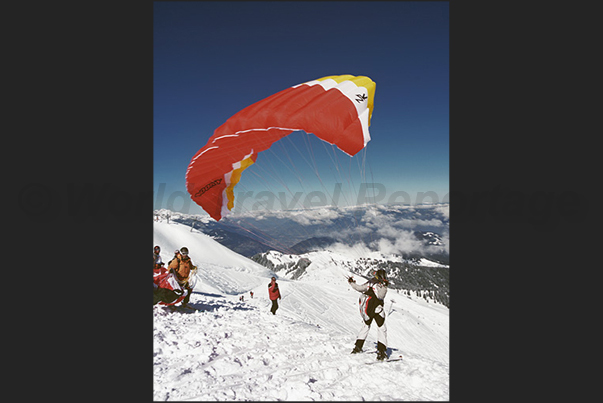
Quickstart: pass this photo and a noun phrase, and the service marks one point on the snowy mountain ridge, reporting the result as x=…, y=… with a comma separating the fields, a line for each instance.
x=425, y=278
x=228, y=349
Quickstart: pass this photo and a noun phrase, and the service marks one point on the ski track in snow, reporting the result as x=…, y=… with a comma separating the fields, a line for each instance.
x=233, y=350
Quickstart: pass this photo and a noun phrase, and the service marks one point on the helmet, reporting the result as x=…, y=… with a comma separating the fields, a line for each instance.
x=157, y=249
x=184, y=250
x=380, y=275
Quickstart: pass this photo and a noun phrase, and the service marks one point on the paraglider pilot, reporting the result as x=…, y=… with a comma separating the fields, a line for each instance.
x=372, y=308
x=181, y=265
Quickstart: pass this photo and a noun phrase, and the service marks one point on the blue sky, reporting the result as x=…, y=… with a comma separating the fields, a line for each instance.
x=212, y=59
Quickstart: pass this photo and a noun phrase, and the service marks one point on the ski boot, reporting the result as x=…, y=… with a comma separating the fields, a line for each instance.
x=358, y=347
x=381, y=354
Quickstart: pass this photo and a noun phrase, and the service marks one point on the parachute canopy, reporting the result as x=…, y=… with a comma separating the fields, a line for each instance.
x=336, y=109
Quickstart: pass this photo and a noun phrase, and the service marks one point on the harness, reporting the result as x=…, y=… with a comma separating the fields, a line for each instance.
x=176, y=269
x=368, y=301
x=184, y=281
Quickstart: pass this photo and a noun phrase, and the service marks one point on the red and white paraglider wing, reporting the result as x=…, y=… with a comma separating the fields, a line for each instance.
x=336, y=109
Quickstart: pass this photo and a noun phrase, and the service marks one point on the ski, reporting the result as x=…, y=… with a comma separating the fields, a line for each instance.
x=391, y=358
x=364, y=352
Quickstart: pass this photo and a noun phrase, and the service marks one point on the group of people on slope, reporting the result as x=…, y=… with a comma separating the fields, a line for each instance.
x=371, y=305
x=181, y=266
x=371, y=302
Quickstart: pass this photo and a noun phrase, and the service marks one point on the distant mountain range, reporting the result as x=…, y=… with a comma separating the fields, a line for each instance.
x=410, y=243
x=411, y=231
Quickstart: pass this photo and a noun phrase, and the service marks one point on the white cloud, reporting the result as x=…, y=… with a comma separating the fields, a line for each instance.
x=412, y=223
x=319, y=216
x=345, y=234
x=404, y=242
x=444, y=210
x=391, y=229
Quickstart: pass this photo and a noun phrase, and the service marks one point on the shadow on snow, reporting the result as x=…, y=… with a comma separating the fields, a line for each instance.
x=210, y=305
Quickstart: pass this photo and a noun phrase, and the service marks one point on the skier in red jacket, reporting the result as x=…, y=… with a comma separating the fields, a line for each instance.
x=274, y=295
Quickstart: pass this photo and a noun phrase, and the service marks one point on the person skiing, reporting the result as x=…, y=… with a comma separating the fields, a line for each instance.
x=372, y=307
x=181, y=265
x=274, y=294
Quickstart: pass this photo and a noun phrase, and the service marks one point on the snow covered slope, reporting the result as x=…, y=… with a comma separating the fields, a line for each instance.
x=220, y=269
x=236, y=350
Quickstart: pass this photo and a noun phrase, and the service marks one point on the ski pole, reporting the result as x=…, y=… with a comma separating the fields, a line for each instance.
x=391, y=306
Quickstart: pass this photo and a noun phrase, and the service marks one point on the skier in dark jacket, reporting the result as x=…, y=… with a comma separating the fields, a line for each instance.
x=274, y=294
x=372, y=307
